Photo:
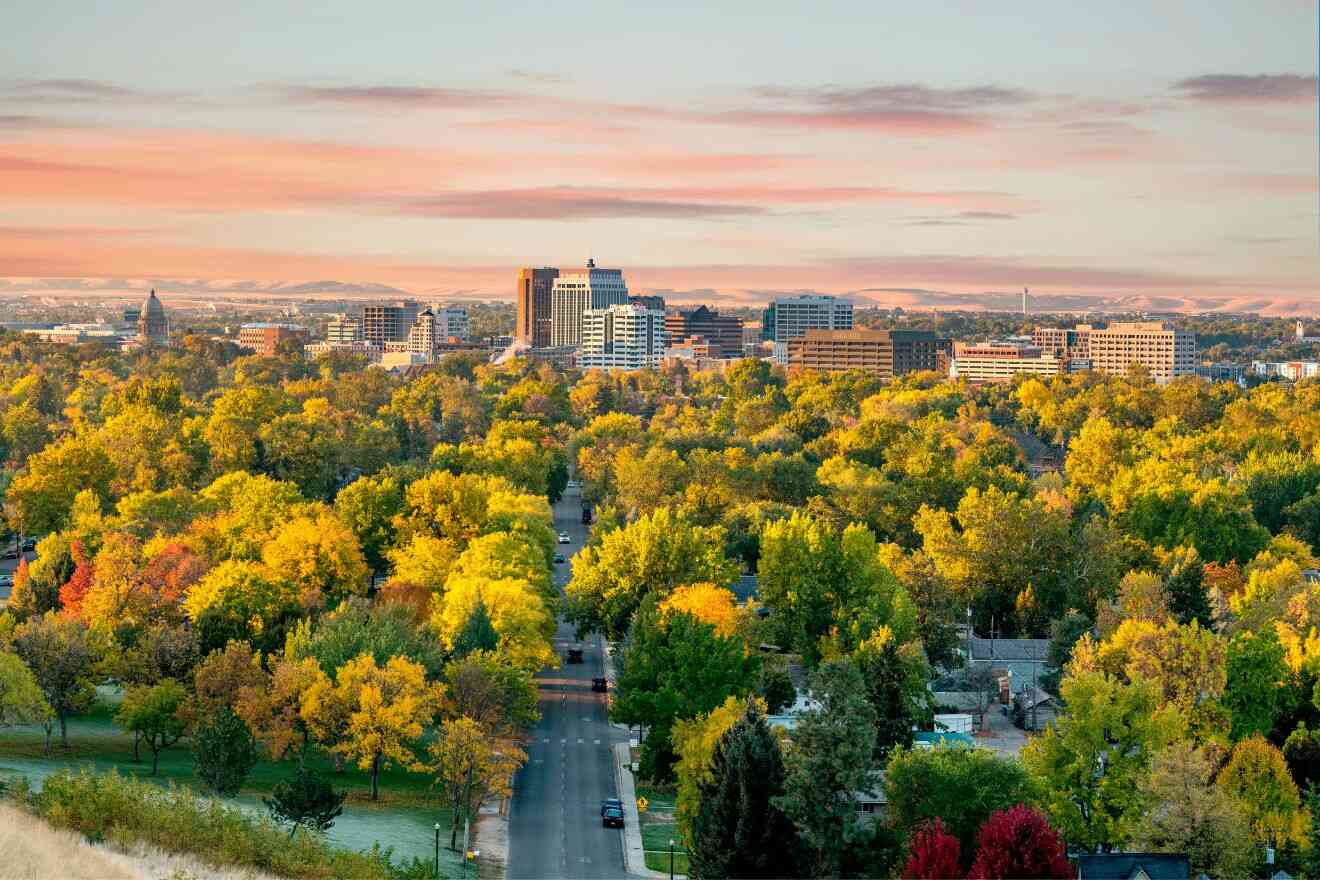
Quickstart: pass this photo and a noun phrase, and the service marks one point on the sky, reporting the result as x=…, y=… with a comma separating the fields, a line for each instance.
x=721, y=152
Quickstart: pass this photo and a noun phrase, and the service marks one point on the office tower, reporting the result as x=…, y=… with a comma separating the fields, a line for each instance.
x=388, y=322
x=986, y=362
x=265, y=338
x=621, y=337
x=575, y=292
x=422, y=335
x=1166, y=351
x=723, y=332
x=532, y=319
x=451, y=321
x=153, y=324
x=882, y=352
x=343, y=328
x=1064, y=343
x=790, y=318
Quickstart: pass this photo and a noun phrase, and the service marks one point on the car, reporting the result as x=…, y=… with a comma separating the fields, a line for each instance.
x=612, y=817
x=12, y=553
x=574, y=655
x=564, y=538
x=610, y=803
x=599, y=685
x=30, y=544
x=6, y=580
x=559, y=559
x=574, y=484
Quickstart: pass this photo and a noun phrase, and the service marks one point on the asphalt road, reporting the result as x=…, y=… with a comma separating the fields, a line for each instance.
x=554, y=823
x=7, y=566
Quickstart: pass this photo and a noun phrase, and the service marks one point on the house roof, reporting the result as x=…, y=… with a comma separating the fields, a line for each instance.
x=1029, y=697
x=1133, y=866
x=744, y=588
x=993, y=650
x=942, y=738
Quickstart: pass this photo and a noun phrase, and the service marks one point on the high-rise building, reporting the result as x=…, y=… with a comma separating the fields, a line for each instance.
x=1166, y=351
x=532, y=318
x=985, y=362
x=451, y=321
x=422, y=336
x=388, y=322
x=621, y=337
x=265, y=338
x=724, y=332
x=343, y=328
x=881, y=352
x=791, y=317
x=1063, y=342
x=576, y=292
x=153, y=324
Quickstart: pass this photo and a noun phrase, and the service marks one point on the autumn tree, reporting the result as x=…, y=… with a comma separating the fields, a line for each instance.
x=517, y=612
x=21, y=698
x=154, y=713
x=933, y=854
x=1019, y=842
x=273, y=711
x=1257, y=777
x=222, y=676
x=368, y=506
x=319, y=557
x=470, y=767
x=491, y=691
x=63, y=659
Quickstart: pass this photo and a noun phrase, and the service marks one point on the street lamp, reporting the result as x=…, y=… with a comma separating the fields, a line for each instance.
x=671, y=858
x=437, y=849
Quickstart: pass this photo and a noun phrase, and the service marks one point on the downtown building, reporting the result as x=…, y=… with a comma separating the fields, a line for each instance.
x=980, y=363
x=265, y=338
x=790, y=318
x=574, y=293
x=343, y=328
x=451, y=322
x=887, y=353
x=388, y=322
x=723, y=332
x=1166, y=351
x=532, y=306
x=622, y=337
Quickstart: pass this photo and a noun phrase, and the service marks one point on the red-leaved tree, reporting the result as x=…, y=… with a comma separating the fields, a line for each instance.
x=73, y=592
x=933, y=854
x=1019, y=842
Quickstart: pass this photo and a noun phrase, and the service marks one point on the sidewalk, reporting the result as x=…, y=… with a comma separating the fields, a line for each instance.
x=634, y=856
x=492, y=838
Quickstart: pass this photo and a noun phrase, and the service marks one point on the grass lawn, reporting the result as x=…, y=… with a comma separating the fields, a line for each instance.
x=658, y=829
x=403, y=818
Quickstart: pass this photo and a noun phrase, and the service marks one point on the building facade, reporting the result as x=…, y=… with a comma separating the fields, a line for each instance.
x=621, y=337
x=986, y=362
x=344, y=328
x=371, y=352
x=791, y=317
x=1293, y=371
x=574, y=293
x=388, y=322
x=1063, y=342
x=422, y=336
x=452, y=322
x=880, y=352
x=1166, y=351
x=153, y=324
x=532, y=306
x=724, y=332
x=265, y=338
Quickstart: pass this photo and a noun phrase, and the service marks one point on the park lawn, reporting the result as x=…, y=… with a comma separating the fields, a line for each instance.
x=403, y=818
x=658, y=829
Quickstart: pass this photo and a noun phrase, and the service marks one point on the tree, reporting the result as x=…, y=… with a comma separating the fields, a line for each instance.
x=61, y=656
x=738, y=829
x=319, y=557
x=1090, y=762
x=359, y=627
x=517, y=612
x=961, y=787
x=1253, y=691
x=671, y=669
x=274, y=712
x=492, y=692
x=222, y=676
x=1302, y=752
x=306, y=800
x=21, y=699
x=1184, y=584
x=119, y=593
x=933, y=854
x=707, y=603
x=478, y=633
x=695, y=741
x=830, y=762
x=224, y=752
x=896, y=680
x=654, y=554
x=243, y=591
x=75, y=590
x=1257, y=777
x=1189, y=814
x=153, y=713
x=470, y=767
x=1019, y=842
x=368, y=507
x=44, y=494
x=424, y=560
x=384, y=710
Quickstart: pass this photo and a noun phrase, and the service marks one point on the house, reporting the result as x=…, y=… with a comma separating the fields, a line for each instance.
x=1020, y=662
x=1133, y=866
x=1034, y=708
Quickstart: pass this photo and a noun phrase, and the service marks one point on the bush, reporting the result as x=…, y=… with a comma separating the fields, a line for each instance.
x=306, y=800
x=224, y=752
x=128, y=811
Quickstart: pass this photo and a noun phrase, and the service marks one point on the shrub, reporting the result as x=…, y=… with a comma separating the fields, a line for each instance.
x=306, y=800
x=224, y=752
x=128, y=811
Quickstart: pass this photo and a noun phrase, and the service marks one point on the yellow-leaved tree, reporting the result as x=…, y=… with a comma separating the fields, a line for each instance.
x=379, y=712
x=471, y=766
x=695, y=740
x=275, y=713
x=707, y=603
x=521, y=619
x=320, y=556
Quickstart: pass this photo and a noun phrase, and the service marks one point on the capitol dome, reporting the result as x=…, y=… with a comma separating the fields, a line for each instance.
x=153, y=326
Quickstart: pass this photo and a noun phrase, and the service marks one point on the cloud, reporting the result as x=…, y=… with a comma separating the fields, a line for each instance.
x=393, y=96
x=565, y=203
x=86, y=91
x=904, y=97
x=962, y=218
x=1227, y=88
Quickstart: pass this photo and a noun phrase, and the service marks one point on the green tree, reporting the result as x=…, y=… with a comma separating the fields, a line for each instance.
x=62, y=657
x=306, y=800
x=368, y=506
x=359, y=627
x=829, y=764
x=1257, y=777
x=1090, y=762
x=224, y=752
x=478, y=634
x=1183, y=574
x=44, y=494
x=653, y=555
x=21, y=699
x=153, y=713
x=1254, y=692
x=739, y=829
x=896, y=686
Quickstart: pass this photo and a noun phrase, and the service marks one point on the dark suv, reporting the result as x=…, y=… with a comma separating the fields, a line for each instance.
x=612, y=817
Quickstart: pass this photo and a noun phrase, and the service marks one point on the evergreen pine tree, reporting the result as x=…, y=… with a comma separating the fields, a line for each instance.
x=306, y=800
x=738, y=830
x=1184, y=584
x=224, y=752
x=478, y=633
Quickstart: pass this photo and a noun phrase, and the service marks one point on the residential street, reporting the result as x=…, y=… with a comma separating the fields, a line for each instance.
x=554, y=825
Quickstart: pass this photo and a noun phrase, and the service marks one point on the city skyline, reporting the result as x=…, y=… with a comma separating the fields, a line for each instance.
x=904, y=154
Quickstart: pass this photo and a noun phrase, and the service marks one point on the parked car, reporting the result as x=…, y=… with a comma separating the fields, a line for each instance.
x=599, y=685
x=559, y=559
x=6, y=580
x=564, y=538
x=12, y=553
x=612, y=817
x=30, y=544
x=610, y=803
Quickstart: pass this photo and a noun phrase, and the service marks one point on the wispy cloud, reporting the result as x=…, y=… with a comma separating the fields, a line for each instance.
x=566, y=203
x=393, y=96
x=1227, y=88
x=85, y=91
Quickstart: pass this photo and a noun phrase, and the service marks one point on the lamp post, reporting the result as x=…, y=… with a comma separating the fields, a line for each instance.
x=437, y=849
x=671, y=858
